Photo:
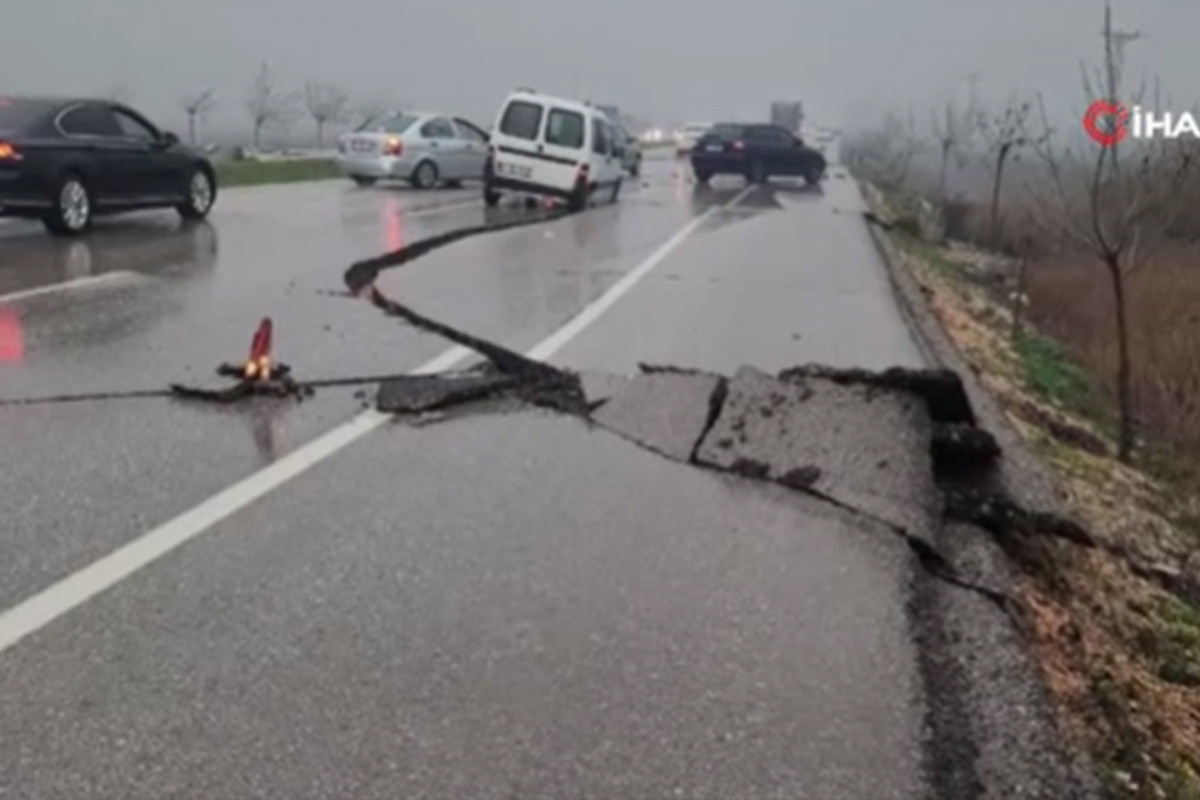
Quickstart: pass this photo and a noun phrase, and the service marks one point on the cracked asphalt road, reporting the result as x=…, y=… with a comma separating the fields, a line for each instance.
x=509, y=604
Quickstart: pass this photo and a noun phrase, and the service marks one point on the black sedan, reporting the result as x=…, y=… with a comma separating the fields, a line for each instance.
x=756, y=151
x=67, y=161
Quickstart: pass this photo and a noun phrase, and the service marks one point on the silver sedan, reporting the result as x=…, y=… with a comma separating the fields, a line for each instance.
x=424, y=149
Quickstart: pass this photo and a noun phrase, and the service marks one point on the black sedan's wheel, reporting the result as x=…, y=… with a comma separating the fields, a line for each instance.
x=703, y=177
x=425, y=176
x=72, y=211
x=813, y=175
x=201, y=194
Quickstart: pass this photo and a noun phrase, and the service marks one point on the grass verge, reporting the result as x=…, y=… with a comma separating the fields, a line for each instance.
x=260, y=173
x=1112, y=630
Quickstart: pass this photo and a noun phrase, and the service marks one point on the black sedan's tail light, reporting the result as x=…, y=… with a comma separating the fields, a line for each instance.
x=9, y=152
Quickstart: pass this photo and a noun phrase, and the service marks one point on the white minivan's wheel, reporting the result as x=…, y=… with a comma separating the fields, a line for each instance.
x=72, y=211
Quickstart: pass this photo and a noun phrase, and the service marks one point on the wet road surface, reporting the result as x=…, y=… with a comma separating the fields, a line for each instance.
x=499, y=605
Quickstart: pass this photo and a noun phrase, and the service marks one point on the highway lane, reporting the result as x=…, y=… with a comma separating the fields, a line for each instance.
x=499, y=605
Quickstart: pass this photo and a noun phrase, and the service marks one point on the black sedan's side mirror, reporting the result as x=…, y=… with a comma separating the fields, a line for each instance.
x=169, y=139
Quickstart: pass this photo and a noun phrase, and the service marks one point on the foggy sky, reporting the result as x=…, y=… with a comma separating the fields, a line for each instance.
x=667, y=60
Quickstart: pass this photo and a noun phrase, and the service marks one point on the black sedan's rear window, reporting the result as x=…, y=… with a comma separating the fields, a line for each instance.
x=725, y=132
x=17, y=114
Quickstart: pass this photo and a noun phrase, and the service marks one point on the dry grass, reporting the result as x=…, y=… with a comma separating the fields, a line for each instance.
x=1120, y=655
x=1071, y=300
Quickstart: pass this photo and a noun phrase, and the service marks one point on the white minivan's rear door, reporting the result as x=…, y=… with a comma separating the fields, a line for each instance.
x=517, y=139
x=565, y=145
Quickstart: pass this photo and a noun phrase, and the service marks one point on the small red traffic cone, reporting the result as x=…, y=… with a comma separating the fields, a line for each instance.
x=258, y=364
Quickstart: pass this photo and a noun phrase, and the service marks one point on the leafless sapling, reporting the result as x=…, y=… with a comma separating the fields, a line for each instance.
x=325, y=104
x=1006, y=135
x=953, y=128
x=268, y=104
x=1116, y=209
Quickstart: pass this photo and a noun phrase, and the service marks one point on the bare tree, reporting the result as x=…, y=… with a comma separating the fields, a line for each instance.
x=325, y=104
x=198, y=107
x=904, y=141
x=1117, y=211
x=953, y=129
x=1006, y=135
x=887, y=151
x=372, y=108
x=268, y=104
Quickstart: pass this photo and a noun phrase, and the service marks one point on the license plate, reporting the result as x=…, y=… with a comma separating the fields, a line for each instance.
x=362, y=146
x=516, y=170
x=715, y=148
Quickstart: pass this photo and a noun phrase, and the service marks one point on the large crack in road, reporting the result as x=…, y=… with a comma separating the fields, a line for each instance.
x=901, y=448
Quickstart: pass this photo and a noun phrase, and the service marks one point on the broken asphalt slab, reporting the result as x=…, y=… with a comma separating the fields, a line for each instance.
x=414, y=394
x=862, y=447
x=663, y=411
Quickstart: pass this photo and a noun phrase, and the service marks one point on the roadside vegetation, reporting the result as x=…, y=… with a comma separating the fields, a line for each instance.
x=1074, y=292
x=251, y=172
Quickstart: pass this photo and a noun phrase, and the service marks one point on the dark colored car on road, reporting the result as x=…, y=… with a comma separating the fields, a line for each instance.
x=67, y=161
x=756, y=151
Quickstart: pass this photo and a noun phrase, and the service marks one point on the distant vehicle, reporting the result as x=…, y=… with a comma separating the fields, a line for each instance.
x=821, y=138
x=685, y=138
x=67, y=161
x=422, y=148
x=628, y=148
x=613, y=112
x=552, y=147
x=757, y=152
x=788, y=115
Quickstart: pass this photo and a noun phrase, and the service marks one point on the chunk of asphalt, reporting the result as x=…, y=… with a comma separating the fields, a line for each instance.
x=958, y=446
x=863, y=447
x=414, y=394
x=600, y=387
x=666, y=412
x=942, y=389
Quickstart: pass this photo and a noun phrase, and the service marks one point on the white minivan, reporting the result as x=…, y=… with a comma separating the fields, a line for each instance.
x=552, y=147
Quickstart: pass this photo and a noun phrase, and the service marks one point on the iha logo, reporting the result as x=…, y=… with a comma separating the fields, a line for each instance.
x=1109, y=123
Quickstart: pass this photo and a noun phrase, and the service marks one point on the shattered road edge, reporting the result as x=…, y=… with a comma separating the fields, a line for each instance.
x=968, y=645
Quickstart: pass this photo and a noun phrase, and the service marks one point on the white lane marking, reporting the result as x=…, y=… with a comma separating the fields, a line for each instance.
x=34, y=613
x=584, y=319
x=77, y=283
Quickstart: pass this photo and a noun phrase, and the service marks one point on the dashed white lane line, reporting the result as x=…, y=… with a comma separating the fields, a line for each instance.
x=89, y=281
x=34, y=613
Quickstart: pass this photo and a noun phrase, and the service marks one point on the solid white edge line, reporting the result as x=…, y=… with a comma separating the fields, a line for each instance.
x=62, y=597
x=76, y=283
x=584, y=319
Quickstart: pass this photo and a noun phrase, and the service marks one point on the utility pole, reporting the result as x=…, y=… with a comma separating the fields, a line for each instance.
x=1114, y=51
